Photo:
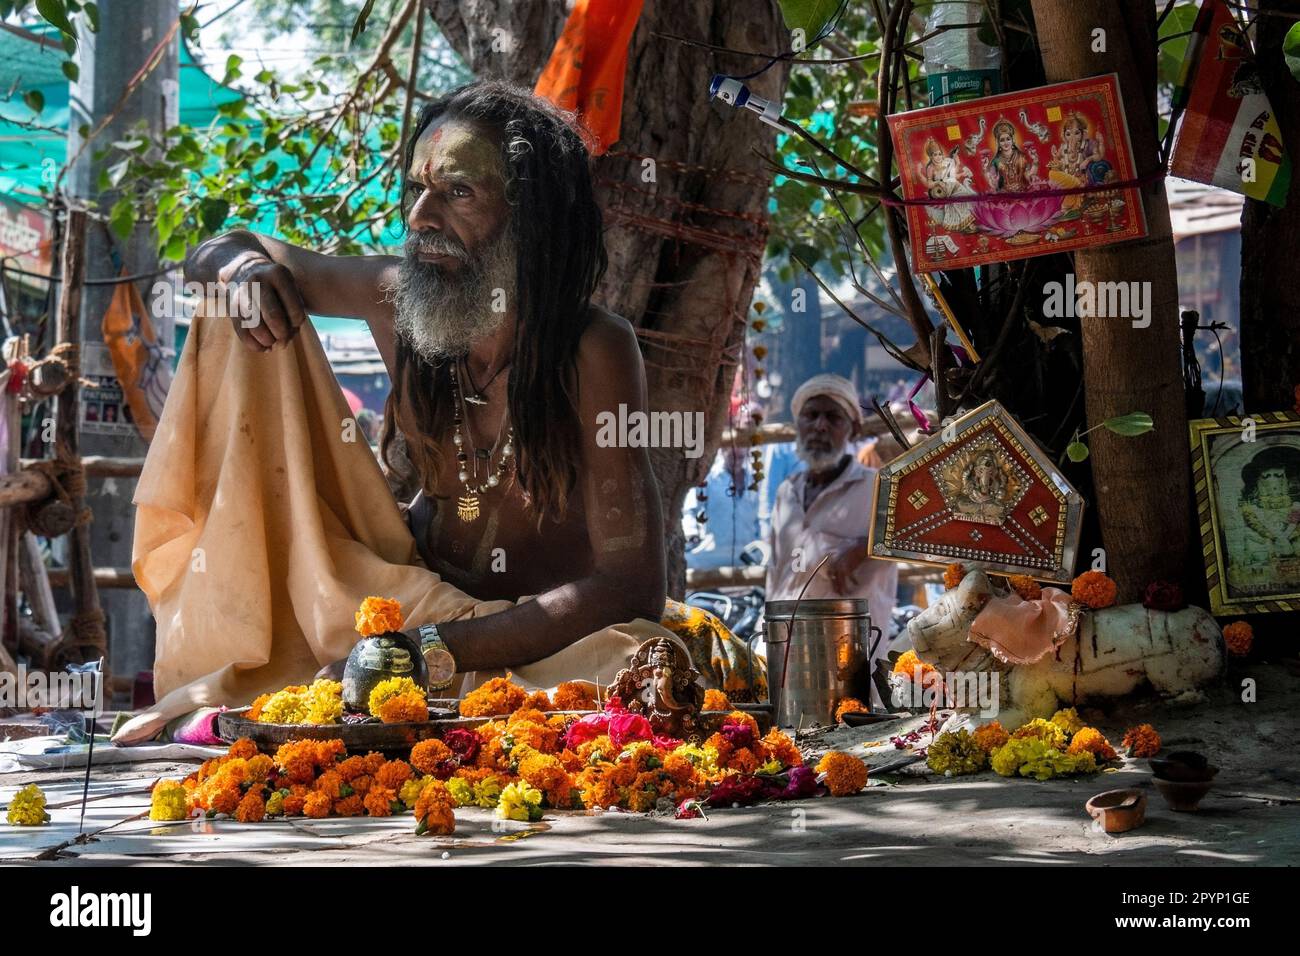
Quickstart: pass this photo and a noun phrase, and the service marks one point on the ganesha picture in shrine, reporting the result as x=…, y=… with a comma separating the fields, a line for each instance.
x=1056, y=146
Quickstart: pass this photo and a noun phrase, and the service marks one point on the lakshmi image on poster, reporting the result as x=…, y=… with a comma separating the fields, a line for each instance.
x=1069, y=136
x=1257, y=504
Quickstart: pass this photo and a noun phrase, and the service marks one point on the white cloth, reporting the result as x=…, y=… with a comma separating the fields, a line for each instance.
x=840, y=517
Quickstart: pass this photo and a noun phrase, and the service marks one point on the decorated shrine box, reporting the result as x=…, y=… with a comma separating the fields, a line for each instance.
x=981, y=492
x=1065, y=136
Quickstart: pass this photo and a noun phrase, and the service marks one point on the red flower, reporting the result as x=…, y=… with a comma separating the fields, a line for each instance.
x=738, y=735
x=465, y=744
x=625, y=728
x=587, y=729
x=741, y=789
x=1164, y=596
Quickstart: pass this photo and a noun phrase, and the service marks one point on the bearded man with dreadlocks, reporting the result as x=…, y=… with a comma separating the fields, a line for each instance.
x=500, y=366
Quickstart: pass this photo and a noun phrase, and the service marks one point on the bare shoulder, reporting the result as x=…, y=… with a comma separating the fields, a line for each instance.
x=609, y=339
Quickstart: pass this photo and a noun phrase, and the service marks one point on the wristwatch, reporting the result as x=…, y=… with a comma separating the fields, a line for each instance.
x=442, y=666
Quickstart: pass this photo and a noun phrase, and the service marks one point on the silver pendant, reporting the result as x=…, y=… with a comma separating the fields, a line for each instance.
x=475, y=399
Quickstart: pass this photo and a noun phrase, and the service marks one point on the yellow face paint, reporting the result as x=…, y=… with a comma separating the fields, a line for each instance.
x=454, y=150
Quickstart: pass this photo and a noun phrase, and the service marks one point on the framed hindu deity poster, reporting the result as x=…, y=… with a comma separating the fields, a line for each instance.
x=980, y=492
x=1246, y=475
x=970, y=159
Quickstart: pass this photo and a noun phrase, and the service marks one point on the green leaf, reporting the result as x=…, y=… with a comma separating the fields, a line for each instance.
x=71, y=71
x=92, y=16
x=808, y=15
x=359, y=25
x=213, y=212
x=34, y=99
x=1134, y=423
x=233, y=63
x=121, y=219
x=1291, y=50
x=55, y=13
x=1076, y=451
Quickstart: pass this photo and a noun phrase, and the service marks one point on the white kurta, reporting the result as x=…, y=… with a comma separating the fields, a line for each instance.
x=840, y=516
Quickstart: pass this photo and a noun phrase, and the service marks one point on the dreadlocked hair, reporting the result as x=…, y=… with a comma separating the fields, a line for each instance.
x=558, y=232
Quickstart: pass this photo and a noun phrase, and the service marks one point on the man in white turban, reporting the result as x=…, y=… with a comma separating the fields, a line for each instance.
x=826, y=509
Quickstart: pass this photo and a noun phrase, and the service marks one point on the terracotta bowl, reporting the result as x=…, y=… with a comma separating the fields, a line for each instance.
x=1182, y=795
x=1118, y=810
x=1183, y=766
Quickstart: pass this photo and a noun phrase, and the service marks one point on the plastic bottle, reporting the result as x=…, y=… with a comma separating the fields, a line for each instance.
x=958, y=64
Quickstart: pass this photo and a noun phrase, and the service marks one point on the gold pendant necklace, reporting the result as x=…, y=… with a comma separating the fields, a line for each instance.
x=467, y=505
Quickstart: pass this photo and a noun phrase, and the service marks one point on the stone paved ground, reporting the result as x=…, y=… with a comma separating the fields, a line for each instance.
x=913, y=818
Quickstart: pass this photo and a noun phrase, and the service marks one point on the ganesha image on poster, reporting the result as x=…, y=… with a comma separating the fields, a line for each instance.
x=1017, y=175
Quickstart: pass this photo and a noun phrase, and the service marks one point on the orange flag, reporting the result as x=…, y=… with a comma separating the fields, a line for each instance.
x=138, y=357
x=586, y=69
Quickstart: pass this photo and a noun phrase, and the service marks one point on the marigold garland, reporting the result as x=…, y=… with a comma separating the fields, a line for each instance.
x=845, y=773
x=378, y=615
x=1094, y=589
x=1239, y=636
x=1141, y=741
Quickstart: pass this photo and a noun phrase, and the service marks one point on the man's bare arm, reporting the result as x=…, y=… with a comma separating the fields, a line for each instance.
x=624, y=525
x=293, y=282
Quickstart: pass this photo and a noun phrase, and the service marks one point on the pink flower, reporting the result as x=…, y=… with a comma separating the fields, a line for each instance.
x=737, y=789
x=586, y=729
x=1006, y=219
x=801, y=783
x=738, y=734
x=626, y=727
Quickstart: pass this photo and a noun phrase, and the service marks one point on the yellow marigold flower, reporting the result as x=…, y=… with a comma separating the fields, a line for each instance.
x=487, y=792
x=715, y=699
x=845, y=773
x=275, y=804
x=1068, y=720
x=1094, y=741
x=169, y=801
x=462, y=791
x=520, y=802
x=1044, y=730
x=410, y=791
x=1142, y=741
x=955, y=754
x=284, y=707
x=378, y=616
x=1037, y=758
x=27, y=808
x=991, y=736
x=1239, y=636
x=1094, y=589
x=386, y=690
x=324, y=702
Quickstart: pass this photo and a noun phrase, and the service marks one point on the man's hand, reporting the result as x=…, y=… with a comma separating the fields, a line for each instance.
x=263, y=301
x=842, y=568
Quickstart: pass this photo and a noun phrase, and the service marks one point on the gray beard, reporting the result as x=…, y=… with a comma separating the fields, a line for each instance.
x=441, y=315
x=818, y=460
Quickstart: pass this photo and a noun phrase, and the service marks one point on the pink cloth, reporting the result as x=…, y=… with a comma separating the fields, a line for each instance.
x=1021, y=632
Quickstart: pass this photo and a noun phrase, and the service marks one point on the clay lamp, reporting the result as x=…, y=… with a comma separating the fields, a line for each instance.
x=1183, y=778
x=1117, y=811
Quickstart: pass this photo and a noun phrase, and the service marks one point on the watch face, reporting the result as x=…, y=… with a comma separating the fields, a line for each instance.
x=442, y=667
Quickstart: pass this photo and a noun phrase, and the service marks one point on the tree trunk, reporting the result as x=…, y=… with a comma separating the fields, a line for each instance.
x=1270, y=283
x=1142, y=483
x=683, y=191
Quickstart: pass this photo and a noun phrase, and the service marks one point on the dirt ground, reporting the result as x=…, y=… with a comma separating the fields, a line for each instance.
x=910, y=818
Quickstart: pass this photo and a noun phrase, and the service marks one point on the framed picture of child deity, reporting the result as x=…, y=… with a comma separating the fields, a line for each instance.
x=1246, y=474
x=980, y=492
x=1037, y=142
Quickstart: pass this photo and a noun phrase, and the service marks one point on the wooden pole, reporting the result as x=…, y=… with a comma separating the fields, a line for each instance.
x=87, y=628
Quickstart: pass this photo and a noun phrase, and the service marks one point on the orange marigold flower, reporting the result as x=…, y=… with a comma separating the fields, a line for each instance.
x=1094, y=589
x=294, y=802
x=780, y=746
x=907, y=665
x=403, y=709
x=317, y=805
x=601, y=745
x=1093, y=741
x=715, y=699
x=243, y=747
x=225, y=799
x=379, y=801
x=260, y=767
x=1025, y=586
x=362, y=784
x=495, y=698
x=393, y=774
x=330, y=784
x=574, y=695
x=351, y=768
x=679, y=768
x=427, y=754
x=990, y=736
x=848, y=705
x=374, y=761
x=349, y=806
x=252, y=808
x=742, y=760
x=1142, y=741
x=433, y=809
x=1239, y=636
x=538, y=700
x=952, y=576
x=255, y=708
x=378, y=616
x=845, y=773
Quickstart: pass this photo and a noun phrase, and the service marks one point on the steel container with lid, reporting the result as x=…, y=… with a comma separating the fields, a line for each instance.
x=813, y=647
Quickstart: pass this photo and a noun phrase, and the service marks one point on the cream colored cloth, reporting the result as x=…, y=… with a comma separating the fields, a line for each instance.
x=263, y=520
